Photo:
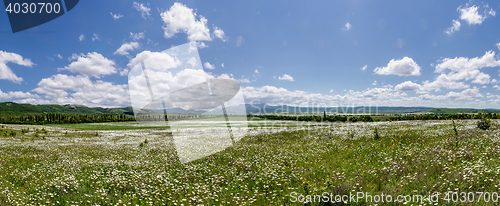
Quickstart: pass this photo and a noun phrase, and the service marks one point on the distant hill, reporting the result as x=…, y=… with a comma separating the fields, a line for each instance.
x=11, y=108
x=443, y=111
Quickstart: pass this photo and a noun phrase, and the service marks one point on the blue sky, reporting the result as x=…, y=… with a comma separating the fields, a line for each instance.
x=330, y=53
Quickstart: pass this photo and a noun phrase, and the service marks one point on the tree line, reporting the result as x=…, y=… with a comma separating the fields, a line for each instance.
x=59, y=118
x=367, y=118
x=314, y=118
x=446, y=117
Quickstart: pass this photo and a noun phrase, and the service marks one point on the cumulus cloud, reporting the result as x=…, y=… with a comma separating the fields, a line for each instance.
x=143, y=9
x=472, y=16
x=454, y=71
x=219, y=34
x=455, y=27
x=180, y=18
x=92, y=64
x=5, y=72
x=402, y=67
x=116, y=16
x=463, y=63
x=81, y=37
x=123, y=50
x=16, y=95
x=498, y=45
x=374, y=83
x=286, y=77
x=408, y=86
x=207, y=65
x=58, y=56
x=137, y=36
x=387, y=95
x=482, y=78
x=157, y=60
x=347, y=27
x=244, y=80
x=64, y=89
x=468, y=94
x=201, y=45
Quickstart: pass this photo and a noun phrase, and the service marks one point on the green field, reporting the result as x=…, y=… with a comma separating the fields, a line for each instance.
x=264, y=168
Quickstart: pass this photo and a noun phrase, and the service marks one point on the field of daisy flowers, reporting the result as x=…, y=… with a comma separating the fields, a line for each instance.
x=47, y=165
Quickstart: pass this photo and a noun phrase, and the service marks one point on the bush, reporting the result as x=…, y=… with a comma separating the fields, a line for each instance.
x=376, y=136
x=484, y=124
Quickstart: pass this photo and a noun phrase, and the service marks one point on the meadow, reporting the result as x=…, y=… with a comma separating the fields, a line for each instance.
x=57, y=165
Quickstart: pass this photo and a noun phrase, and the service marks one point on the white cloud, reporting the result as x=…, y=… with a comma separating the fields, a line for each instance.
x=96, y=37
x=496, y=87
x=454, y=28
x=143, y=9
x=256, y=71
x=482, y=78
x=331, y=90
x=64, y=89
x=402, y=67
x=463, y=63
x=468, y=94
x=207, y=65
x=364, y=67
x=124, y=72
x=5, y=72
x=137, y=36
x=286, y=77
x=222, y=65
x=462, y=69
x=387, y=95
x=157, y=60
x=201, y=45
x=123, y=50
x=472, y=16
x=16, y=95
x=92, y=64
x=219, y=34
x=81, y=37
x=116, y=16
x=498, y=45
x=374, y=83
x=75, y=56
x=58, y=56
x=347, y=27
x=408, y=86
x=494, y=81
x=244, y=80
x=180, y=18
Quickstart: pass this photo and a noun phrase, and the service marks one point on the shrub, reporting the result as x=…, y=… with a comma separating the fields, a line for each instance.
x=455, y=128
x=376, y=136
x=484, y=124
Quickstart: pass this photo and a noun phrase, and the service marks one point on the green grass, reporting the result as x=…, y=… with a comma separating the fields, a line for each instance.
x=415, y=158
